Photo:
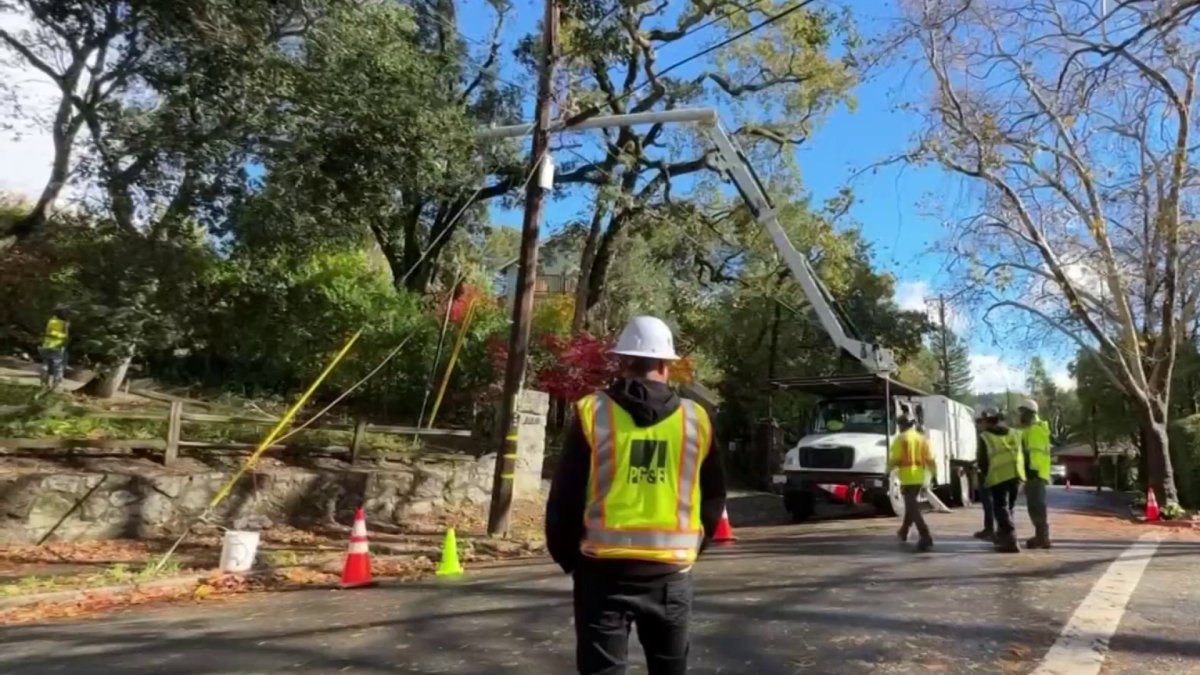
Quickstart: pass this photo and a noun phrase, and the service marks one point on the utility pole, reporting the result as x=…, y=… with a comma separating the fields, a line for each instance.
x=522, y=312
x=945, y=348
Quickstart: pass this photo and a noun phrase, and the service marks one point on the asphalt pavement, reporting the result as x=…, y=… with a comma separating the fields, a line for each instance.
x=837, y=596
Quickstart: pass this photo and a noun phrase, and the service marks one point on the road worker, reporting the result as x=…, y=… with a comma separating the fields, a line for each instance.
x=911, y=457
x=1035, y=437
x=1006, y=472
x=988, y=533
x=53, y=349
x=630, y=531
x=834, y=423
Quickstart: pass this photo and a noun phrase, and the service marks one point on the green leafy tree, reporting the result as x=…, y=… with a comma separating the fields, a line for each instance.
x=779, y=81
x=953, y=363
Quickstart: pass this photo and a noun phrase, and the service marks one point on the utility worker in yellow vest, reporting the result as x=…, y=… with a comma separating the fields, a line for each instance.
x=1035, y=433
x=53, y=349
x=638, y=492
x=1005, y=473
x=911, y=457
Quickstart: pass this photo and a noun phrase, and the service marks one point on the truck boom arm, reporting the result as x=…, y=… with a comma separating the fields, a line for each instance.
x=733, y=163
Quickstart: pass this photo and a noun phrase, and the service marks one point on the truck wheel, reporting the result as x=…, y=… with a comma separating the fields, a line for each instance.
x=890, y=502
x=800, y=505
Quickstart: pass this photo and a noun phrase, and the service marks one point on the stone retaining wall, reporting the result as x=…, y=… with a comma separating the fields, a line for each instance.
x=137, y=497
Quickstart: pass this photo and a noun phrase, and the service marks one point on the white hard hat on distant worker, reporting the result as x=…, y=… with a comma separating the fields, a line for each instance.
x=1030, y=405
x=646, y=337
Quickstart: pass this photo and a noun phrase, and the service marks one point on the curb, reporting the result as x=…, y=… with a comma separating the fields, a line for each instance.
x=76, y=595
x=1170, y=524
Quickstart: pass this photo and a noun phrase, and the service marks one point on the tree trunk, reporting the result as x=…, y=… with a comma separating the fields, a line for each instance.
x=109, y=382
x=586, y=260
x=1160, y=475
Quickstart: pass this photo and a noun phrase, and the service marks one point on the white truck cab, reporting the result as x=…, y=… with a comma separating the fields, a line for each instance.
x=842, y=456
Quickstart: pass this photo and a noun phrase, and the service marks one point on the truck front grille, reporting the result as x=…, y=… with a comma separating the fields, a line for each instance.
x=839, y=457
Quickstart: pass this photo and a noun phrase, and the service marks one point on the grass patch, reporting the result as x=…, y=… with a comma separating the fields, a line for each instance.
x=119, y=573
x=59, y=415
x=374, y=443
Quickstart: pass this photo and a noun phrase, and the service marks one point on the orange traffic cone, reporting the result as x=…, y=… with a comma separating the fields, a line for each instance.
x=356, y=571
x=1151, y=506
x=724, y=531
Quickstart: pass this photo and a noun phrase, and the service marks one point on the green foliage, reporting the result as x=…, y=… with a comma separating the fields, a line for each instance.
x=1185, y=459
x=1102, y=406
x=953, y=364
x=921, y=371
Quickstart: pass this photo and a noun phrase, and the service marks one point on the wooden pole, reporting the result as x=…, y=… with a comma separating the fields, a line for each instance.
x=174, y=422
x=522, y=312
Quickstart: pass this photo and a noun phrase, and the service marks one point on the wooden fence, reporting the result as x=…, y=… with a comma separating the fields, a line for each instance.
x=175, y=417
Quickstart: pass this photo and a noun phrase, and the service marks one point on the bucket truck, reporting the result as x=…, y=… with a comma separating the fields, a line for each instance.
x=843, y=455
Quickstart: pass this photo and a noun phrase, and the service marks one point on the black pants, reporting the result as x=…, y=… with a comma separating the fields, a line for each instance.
x=1004, y=498
x=912, y=512
x=606, y=608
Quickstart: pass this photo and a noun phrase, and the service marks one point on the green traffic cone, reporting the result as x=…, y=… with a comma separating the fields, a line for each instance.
x=449, y=566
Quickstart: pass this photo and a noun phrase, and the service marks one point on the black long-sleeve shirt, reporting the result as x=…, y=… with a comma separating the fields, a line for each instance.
x=648, y=403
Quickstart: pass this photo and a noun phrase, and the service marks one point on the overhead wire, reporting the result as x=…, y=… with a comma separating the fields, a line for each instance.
x=595, y=109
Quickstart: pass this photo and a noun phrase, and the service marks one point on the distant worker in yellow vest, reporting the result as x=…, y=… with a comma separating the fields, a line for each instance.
x=53, y=349
x=638, y=492
x=1005, y=473
x=911, y=457
x=1035, y=433
x=834, y=423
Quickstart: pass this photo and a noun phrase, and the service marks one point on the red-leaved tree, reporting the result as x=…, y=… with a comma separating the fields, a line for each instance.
x=566, y=368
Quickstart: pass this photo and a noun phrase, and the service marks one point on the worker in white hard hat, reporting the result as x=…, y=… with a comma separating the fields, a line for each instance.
x=1035, y=436
x=638, y=492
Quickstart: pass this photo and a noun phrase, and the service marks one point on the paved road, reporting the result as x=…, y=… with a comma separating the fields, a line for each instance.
x=829, y=597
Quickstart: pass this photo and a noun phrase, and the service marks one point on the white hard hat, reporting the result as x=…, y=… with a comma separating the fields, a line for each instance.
x=648, y=337
x=1029, y=404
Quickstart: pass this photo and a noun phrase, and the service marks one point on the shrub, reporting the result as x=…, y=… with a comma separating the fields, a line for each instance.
x=1185, y=459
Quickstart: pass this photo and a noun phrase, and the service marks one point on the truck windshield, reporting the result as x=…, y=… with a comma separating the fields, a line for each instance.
x=862, y=415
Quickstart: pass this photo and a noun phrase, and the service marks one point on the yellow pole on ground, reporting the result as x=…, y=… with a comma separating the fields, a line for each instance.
x=458, y=342
x=262, y=447
x=283, y=422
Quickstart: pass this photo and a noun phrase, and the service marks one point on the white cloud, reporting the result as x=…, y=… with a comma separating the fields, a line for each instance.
x=917, y=296
x=992, y=373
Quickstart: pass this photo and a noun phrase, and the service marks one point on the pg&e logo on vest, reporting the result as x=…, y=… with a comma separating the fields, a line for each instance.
x=647, y=462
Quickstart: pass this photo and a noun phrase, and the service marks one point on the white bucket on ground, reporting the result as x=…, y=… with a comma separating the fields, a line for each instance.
x=238, y=550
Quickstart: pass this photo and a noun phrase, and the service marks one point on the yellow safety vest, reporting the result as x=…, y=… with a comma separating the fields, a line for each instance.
x=1036, y=437
x=643, y=499
x=910, y=454
x=1005, y=461
x=56, y=334
x=834, y=425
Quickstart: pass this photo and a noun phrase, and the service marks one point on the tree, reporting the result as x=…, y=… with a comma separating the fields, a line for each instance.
x=77, y=46
x=953, y=363
x=922, y=371
x=1056, y=406
x=781, y=76
x=1033, y=103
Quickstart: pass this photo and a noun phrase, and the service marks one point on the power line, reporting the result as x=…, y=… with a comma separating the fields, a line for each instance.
x=597, y=108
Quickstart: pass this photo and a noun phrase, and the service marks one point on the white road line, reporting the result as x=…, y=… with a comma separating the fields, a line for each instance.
x=1083, y=642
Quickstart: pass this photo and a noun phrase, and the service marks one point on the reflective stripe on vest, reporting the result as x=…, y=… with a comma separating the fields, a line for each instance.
x=1037, y=441
x=908, y=455
x=1005, y=461
x=650, y=510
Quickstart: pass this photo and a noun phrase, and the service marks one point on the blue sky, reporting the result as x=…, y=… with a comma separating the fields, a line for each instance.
x=890, y=202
